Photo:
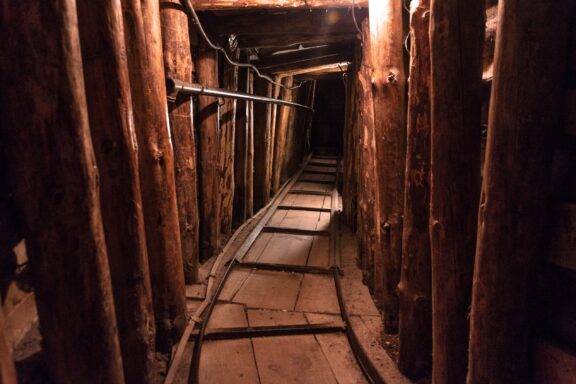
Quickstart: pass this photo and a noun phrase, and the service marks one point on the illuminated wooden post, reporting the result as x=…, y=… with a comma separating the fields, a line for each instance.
x=388, y=81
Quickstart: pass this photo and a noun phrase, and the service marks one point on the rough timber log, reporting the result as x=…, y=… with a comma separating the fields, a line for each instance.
x=178, y=65
x=387, y=39
x=288, y=164
x=415, y=357
x=227, y=144
x=350, y=185
x=54, y=180
x=262, y=135
x=249, y=202
x=215, y=5
x=531, y=58
x=7, y=369
x=456, y=35
x=367, y=202
x=281, y=129
x=241, y=153
x=156, y=161
x=207, y=74
x=274, y=114
x=112, y=128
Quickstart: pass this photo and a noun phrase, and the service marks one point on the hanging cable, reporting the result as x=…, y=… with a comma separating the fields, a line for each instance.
x=355, y=22
x=188, y=5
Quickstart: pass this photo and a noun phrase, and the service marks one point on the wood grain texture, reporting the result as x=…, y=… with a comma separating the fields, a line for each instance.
x=262, y=144
x=227, y=145
x=178, y=65
x=456, y=35
x=7, y=368
x=515, y=190
x=415, y=354
x=213, y=5
x=156, y=161
x=389, y=83
x=54, y=179
x=113, y=134
x=208, y=133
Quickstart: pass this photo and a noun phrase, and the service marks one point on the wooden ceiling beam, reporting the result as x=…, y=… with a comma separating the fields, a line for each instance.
x=303, y=55
x=309, y=62
x=227, y=5
x=315, y=22
x=291, y=40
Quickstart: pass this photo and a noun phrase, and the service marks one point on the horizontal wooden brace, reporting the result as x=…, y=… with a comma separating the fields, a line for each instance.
x=296, y=208
x=296, y=231
x=268, y=331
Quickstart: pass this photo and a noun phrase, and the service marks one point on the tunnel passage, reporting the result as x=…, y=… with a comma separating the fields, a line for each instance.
x=141, y=140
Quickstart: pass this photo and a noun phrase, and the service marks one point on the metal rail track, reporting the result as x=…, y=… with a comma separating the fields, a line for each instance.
x=368, y=369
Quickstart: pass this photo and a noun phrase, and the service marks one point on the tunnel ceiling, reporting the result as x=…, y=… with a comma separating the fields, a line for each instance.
x=310, y=44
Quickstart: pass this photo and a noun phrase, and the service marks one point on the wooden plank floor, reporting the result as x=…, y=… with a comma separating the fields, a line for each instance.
x=255, y=297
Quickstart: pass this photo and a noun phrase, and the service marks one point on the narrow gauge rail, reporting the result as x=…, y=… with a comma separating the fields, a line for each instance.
x=237, y=262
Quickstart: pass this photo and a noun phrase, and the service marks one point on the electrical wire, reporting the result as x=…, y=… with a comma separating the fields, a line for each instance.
x=188, y=4
x=355, y=22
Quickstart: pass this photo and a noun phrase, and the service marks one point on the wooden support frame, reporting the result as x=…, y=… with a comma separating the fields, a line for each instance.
x=456, y=37
x=208, y=128
x=54, y=180
x=221, y=5
x=389, y=82
x=515, y=190
x=156, y=160
x=178, y=64
x=415, y=352
x=112, y=129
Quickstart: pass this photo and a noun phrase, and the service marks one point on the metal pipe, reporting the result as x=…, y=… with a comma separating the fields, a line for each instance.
x=175, y=87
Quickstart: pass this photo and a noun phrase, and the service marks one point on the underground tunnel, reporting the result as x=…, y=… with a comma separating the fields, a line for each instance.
x=288, y=191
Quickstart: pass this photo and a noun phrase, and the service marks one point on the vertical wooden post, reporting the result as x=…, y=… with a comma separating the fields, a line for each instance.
x=388, y=80
x=156, y=161
x=415, y=357
x=241, y=153
x=456, y=36
x=282, y=127
x=112, y=128
x=227, y=144
x=7, y=369
x=262, y=128
x=367, y=202
x=178, y=65
x=54, y=179
x=207, y=74
x=516, y=185
x=274, y=122
x=249, y=202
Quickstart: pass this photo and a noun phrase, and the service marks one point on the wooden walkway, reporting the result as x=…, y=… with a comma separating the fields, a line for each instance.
x=277, y=317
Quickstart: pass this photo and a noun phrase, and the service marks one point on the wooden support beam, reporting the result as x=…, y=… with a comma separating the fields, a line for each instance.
x=7, y=368
x=54, y=180
x=281, y=129
x=262, y=143
x=515, y=189
x=309, y=62
x=288, y=163
x=310, y=23
x=389, y=81
x=415, y=355
x=207, y=74
x=241, y=153
x=112, y=128
x=178, y=65
x=221, y=5
x=227, y=145
x=156, y=161
x=249, y=202
x=274, y=119
x=292, y=39
x=456, y=36
x=367, y=210
x=303, y=55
